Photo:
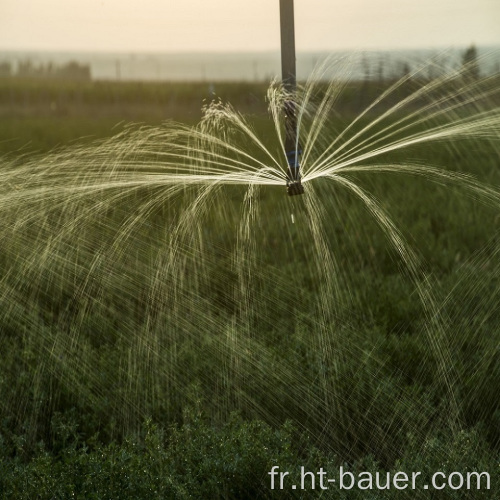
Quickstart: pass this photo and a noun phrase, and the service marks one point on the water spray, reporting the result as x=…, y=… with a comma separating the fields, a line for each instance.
x=288, y=74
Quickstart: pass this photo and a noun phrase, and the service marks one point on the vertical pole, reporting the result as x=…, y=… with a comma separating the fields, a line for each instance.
x=288, y=69
x=289, y=78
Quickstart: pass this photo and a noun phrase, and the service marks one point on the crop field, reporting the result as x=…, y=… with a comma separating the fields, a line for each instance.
x=172, y=325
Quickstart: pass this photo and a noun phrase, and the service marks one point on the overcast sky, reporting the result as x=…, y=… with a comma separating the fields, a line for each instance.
x=249, y=25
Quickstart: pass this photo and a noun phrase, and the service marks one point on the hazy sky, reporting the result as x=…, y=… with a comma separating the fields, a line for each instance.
x=251, y=25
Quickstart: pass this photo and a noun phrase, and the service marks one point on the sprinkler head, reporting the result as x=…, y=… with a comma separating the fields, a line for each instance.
x=294, y=188
x=293, y=182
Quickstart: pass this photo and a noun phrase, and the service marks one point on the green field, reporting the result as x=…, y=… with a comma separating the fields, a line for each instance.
x=178, y=341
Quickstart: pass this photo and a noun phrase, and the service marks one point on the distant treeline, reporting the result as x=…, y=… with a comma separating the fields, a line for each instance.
x=27, y=69
x=381, y=66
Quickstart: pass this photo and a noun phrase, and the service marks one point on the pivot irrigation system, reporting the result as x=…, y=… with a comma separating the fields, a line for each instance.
x=289, y=77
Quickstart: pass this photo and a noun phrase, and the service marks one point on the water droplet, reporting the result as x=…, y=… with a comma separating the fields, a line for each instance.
x=293, y=219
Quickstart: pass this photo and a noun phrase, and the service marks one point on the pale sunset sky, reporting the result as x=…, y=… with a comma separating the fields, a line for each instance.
x=237, y=25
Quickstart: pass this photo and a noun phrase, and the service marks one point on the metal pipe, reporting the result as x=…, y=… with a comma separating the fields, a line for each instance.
x=289, y=78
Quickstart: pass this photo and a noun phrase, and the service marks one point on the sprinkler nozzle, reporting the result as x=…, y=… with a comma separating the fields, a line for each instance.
x=293, y=182
x=294, y=188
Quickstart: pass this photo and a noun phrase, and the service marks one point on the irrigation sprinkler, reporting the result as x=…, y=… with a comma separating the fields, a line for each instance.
x=288, y=75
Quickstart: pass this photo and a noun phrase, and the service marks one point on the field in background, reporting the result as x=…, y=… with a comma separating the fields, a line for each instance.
x=191, y=448
x=37, y=115
x=40, y=115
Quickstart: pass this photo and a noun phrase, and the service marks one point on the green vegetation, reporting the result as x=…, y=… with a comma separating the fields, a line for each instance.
x=38, y=115
x=126, y=377
x=199, y=460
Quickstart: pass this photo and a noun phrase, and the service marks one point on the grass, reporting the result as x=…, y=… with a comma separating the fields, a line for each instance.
x=109, y=393
x=41, y=115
